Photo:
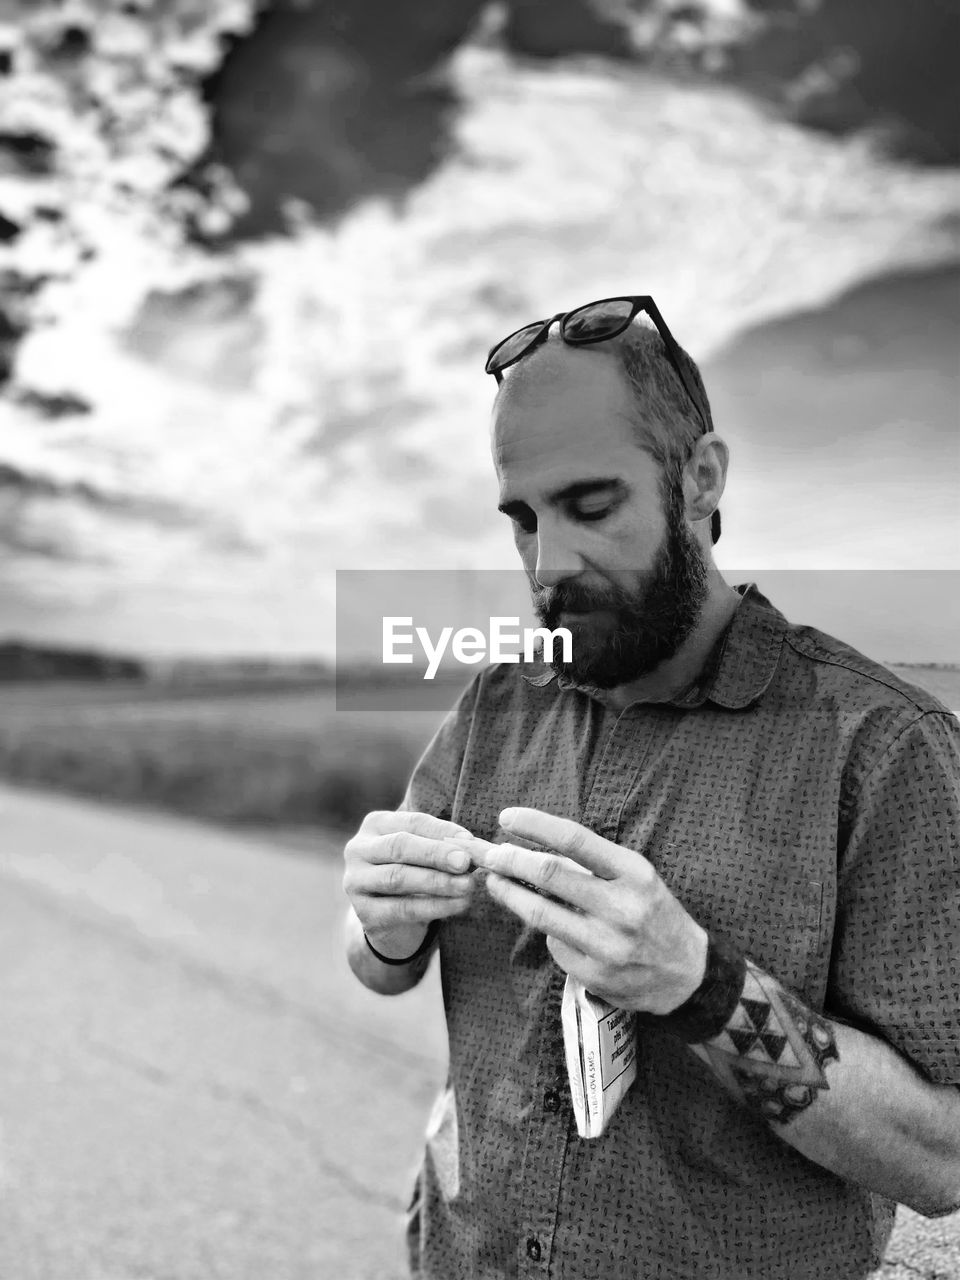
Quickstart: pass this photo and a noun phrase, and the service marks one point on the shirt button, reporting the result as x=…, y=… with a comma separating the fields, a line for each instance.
x=533, y=1249
x=551, y=1100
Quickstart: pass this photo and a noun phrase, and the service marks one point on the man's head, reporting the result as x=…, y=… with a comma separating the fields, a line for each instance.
x=610, y=483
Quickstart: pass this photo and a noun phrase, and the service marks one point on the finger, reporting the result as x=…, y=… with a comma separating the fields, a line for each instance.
x=420, y=851
x=571, y=960
x=388, y=913
x=384, y=821
x=602, y=857
x=393, y=879
x=548, y=873
x=544, y=915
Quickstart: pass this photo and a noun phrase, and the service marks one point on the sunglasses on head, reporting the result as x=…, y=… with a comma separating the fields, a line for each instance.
x=597, y=322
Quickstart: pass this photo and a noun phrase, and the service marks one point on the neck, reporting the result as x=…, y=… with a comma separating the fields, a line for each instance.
x=673, y=677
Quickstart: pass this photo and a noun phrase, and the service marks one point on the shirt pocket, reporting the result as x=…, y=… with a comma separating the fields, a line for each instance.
x=769, y=901
x=792, y=957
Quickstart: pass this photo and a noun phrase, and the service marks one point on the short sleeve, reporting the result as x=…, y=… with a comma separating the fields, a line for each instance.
x=433, y=784
x=896, y=959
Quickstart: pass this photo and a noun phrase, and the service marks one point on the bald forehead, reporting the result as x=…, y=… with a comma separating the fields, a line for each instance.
x=561, y=380
x=551, y=359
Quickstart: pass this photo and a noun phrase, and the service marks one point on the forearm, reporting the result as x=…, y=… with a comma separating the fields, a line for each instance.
x=386, y=979
x=844, y=1099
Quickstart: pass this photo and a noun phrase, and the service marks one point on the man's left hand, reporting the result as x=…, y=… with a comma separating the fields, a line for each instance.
x=619, y=931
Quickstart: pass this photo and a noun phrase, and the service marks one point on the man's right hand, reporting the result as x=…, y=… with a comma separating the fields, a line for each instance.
x=402, y=871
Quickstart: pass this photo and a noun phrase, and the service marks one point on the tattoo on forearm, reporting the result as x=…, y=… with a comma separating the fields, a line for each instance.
x=773, y=1049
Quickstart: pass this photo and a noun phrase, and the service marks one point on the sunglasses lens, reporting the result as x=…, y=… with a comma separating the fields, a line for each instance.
x=512, y=347
x=598, y=320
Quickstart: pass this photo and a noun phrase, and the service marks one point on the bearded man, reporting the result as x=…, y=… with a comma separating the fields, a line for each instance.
x=772, y=821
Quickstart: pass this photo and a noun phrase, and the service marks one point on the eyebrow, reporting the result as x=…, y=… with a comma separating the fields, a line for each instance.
x=569, y=493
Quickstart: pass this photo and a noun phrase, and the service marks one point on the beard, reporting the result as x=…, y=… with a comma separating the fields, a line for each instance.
x=628, y=634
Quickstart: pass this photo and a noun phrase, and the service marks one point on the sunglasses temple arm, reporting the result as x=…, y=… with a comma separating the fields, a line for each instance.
x=673, y=351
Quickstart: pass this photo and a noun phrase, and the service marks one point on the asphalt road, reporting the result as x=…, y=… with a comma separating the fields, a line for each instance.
x=192, y=1084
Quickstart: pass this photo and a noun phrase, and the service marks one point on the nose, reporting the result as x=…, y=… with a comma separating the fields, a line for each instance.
x=557, y=559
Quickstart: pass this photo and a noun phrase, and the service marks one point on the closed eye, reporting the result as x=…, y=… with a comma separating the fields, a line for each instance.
x=592, y=500
x=585, y=512
x=588, y=501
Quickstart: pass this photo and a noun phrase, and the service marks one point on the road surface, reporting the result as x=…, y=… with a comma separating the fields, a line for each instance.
x=192, y=1085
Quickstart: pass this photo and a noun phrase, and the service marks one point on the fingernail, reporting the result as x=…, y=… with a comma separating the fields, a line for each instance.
x=458, y=860
x=508, y=817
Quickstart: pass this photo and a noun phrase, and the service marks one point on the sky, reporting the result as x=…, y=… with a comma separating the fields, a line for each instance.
x=316, y=402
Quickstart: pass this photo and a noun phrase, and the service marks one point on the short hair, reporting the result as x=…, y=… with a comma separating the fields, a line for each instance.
x=667, y=423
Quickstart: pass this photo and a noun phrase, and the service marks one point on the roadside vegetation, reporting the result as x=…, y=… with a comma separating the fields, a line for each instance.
x=262, y=754
x=236, y=755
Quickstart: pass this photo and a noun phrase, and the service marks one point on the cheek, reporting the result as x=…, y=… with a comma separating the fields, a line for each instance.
x=631, y=545
x=611, y=551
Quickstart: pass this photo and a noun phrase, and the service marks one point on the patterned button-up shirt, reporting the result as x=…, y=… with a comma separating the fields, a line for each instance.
x=800, y=799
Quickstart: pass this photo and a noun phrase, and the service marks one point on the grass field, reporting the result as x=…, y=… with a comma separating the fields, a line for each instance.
x=269, y=755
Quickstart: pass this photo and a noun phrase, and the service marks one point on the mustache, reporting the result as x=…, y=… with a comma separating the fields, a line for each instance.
x=649, y=612
x=572, y=597
x=576, y=597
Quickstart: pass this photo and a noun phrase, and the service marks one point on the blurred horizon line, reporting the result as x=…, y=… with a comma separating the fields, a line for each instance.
x=24, y=662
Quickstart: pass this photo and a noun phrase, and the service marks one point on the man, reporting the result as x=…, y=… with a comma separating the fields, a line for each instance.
x=773, y=826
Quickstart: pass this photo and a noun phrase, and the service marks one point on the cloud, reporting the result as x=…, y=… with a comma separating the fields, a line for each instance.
x=344, y=420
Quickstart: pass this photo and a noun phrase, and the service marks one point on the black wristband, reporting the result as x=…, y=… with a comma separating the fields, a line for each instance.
x=425, y=945
x=710, y=1008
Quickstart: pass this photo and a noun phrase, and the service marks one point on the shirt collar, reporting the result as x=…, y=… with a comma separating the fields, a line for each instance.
x=739, y=668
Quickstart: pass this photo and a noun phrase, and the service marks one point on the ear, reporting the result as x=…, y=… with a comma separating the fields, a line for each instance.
x=705, y=476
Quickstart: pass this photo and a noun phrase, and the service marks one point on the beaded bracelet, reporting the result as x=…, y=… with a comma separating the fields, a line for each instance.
x=704, y=1015
x=425, y=945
